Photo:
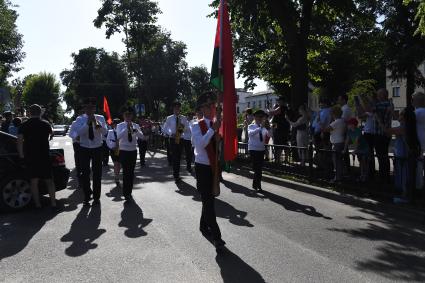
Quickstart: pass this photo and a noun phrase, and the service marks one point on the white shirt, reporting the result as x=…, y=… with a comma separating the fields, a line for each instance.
x=420, y=126
x=369, y=126
x=82, y=131
x=122, y=133
x=73, y=132
x=346, y=112
x=338, y=131
x=200, y=142
x=187, y=133
x=254, y=142
x=169, y=128
x=111, y=141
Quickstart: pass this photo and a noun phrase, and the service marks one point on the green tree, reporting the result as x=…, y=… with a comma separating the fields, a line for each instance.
x=137, y=20
x=96, y=73
x=404, y=48
x=43, y=89
x=199, y=82
x=11, y=44
x=287, y=42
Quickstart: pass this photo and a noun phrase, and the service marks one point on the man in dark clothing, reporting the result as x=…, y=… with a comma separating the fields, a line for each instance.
x=33, y=148
x=281, y=128
x=8, y=116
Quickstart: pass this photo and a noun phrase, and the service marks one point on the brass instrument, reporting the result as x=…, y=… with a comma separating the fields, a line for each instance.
x=179, y=132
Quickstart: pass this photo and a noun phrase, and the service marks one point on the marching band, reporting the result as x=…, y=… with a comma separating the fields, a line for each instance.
x=197, y=135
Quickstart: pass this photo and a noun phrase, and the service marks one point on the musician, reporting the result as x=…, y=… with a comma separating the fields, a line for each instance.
x=91, y=128
x=174, y=127
x=258, y=132
x=113, y=145
x=281, y=127
x=203, y=138
x=76, y=146
x=128, y=133
x=187, y=144
x=146, y=127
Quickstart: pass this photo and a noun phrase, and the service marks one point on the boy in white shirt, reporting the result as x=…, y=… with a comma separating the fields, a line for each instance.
x=257, y=135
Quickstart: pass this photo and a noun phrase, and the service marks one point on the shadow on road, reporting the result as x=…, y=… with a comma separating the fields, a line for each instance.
x=115, y=193
x=234, y=269
x=132, y=219
x=401, y=257
x=17, y=229
x=84, y=231
x=286, y=203
x=223, y=209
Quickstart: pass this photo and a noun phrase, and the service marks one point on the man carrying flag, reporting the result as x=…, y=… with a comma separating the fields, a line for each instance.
x=204, y=140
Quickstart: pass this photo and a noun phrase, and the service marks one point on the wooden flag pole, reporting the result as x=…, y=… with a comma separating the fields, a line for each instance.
x=216, y=170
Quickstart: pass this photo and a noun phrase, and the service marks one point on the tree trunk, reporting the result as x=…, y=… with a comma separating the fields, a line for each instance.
x=410, y=86
x=299, y=75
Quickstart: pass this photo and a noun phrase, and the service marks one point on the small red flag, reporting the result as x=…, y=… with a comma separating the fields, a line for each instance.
x=107, y=111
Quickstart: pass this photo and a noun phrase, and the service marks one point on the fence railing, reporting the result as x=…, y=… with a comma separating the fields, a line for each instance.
x=307, y=162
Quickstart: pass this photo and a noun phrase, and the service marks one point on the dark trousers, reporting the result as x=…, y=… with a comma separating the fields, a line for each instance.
x=204, y=181
x=176, y=154
x=168, y=147
x=93, y=157
x=77, y=153
x=143, y=147
x=257, y=158
x=370, y=140
x=128, y=163
x=105, y=157
x=187, y=144
x=381, y=146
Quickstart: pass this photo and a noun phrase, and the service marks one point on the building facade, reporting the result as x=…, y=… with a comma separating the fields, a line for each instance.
x=241, y=105
x=397, y=89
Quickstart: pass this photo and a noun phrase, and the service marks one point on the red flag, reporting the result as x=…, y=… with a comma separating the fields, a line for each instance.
x=106, y=110
x=223, y=78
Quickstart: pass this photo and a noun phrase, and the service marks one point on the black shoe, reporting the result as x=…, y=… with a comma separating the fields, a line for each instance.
x=128, y=198
x=177, y=180
x=218, y=244
x=96, y=202
x=86, y=203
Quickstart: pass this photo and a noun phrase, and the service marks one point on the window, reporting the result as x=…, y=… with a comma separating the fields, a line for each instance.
x=237, y=109
x=249, y=104
x=253, y=104
x=396, y=91
x=259, y=104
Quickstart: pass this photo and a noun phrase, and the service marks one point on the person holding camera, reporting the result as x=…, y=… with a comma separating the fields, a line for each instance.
x=128, y=133
x=91, y=128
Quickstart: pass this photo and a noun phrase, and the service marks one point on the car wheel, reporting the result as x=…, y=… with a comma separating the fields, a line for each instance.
x=15, y=194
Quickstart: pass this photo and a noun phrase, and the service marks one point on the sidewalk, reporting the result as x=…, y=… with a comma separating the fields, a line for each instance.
x=378, y=200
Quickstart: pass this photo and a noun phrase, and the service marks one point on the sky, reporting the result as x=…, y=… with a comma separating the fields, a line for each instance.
x=54, y=29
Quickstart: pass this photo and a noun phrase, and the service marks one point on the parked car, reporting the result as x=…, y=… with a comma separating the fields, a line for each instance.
x=59, y=130
x=15, y=193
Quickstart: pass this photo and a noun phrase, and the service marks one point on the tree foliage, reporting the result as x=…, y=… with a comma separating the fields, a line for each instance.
x=404, y=48
x=11, y=43
x=43, y=89
x=291, y=43
x=95, y=73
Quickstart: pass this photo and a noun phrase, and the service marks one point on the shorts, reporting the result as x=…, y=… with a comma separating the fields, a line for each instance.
x=39, y=168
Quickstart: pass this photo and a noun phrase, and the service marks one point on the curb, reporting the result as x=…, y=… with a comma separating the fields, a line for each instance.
x=346, y=198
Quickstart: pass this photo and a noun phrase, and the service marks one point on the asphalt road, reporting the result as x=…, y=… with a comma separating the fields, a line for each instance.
x=282, y=235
